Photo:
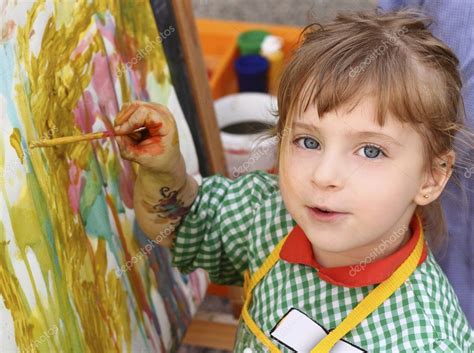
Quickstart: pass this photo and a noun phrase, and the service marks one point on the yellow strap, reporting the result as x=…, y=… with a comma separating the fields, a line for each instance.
x=249, y=285
x=373, y=300
x=256, y=330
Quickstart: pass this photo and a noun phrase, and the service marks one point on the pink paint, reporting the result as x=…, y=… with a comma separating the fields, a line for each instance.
x=107, y=27
x=109, y=133
x=7, y=29
x=136, y=82
x=75, y=186
x=103, y=85
x=126, y=181
x=85, y=112
x=83, y=45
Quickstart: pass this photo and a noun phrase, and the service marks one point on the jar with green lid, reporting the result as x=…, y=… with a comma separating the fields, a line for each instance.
x=249, y=42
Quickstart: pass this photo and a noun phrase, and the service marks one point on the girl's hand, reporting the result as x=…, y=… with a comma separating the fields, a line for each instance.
x=157, y=147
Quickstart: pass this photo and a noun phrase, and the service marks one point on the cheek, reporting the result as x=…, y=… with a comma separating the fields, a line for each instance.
x=290, y=182
x=298, y=169
x=288, y=196
x=387, y=187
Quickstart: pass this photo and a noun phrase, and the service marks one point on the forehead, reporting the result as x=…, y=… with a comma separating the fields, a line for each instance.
x=360, y=116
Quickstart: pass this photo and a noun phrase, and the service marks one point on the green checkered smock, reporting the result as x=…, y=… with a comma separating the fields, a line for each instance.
x=233, y=225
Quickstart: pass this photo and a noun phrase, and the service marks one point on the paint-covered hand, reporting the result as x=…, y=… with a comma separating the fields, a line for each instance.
x=157, y=147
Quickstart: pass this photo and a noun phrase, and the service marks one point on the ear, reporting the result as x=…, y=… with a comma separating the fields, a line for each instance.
x=435, y=180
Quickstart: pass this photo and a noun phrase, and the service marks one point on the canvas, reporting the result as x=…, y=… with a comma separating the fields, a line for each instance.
x=76, y=272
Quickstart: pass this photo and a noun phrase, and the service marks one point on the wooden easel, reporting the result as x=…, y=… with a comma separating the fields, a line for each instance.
x=198, y=108
x=197, y=103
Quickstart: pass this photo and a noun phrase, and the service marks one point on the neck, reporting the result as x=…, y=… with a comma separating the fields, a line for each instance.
x=379, y=249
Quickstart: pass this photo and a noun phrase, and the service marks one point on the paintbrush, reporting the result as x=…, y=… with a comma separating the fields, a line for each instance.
x=136, y=134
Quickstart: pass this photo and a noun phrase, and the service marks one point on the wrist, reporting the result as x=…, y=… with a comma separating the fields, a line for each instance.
x=174, y=177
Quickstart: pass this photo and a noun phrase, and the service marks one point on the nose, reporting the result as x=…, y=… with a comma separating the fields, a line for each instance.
x=328, y=172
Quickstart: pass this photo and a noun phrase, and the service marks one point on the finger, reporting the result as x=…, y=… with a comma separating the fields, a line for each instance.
x=125, y=113
x=134, y=121
x=140, y=118
x=152, y=144
x=144, y=116
x=162, y=110
x=125, y=107
x=155, y=125
x=126, y=147
x=161, y=115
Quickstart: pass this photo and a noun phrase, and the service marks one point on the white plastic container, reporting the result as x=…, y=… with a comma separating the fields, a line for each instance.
x=247, y=152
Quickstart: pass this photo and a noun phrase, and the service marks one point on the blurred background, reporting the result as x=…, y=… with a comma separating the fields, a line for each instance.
x=295, y=13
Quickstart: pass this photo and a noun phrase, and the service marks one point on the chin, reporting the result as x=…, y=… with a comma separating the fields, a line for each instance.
x=330, y=238
x=331, y=243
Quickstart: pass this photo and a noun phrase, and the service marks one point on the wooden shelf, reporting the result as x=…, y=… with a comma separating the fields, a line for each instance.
x=210, y=335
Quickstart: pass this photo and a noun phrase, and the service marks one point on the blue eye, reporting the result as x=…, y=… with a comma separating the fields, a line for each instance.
x=308, y=142
x=372, y=151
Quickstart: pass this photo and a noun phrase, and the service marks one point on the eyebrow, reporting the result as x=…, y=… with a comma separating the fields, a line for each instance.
x=360, y=134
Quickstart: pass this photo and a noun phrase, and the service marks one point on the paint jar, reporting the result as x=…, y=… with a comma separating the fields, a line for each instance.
x=271, y=49
x=252, y=73
x=243, y=118
x=249, y=42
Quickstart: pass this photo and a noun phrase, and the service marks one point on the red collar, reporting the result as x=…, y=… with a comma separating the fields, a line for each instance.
x=297, y=249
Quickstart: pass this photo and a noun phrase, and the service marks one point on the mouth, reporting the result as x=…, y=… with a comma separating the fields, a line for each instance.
x=325, y=214
x=325, y=208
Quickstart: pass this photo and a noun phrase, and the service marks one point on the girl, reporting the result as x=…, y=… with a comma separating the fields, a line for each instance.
x=332, y=249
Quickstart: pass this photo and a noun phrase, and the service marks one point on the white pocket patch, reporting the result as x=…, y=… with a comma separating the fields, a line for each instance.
x=300, y=333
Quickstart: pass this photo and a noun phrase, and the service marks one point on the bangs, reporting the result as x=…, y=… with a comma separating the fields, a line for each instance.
x=338, y=71
x=394, y=81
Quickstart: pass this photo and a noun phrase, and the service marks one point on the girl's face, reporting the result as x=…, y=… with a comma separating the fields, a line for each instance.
x=348, y=163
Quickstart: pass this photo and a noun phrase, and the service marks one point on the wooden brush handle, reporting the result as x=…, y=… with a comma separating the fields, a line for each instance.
x=86, y=137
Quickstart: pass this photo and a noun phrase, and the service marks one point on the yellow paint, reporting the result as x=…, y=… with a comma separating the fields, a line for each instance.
x=78, y=296
x=89, y=303
x=14, y=298
x=139, y=34
x=15, y=142
x=10, y=288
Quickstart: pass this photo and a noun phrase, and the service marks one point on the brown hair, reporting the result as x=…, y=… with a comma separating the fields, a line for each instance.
x=411, y=73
